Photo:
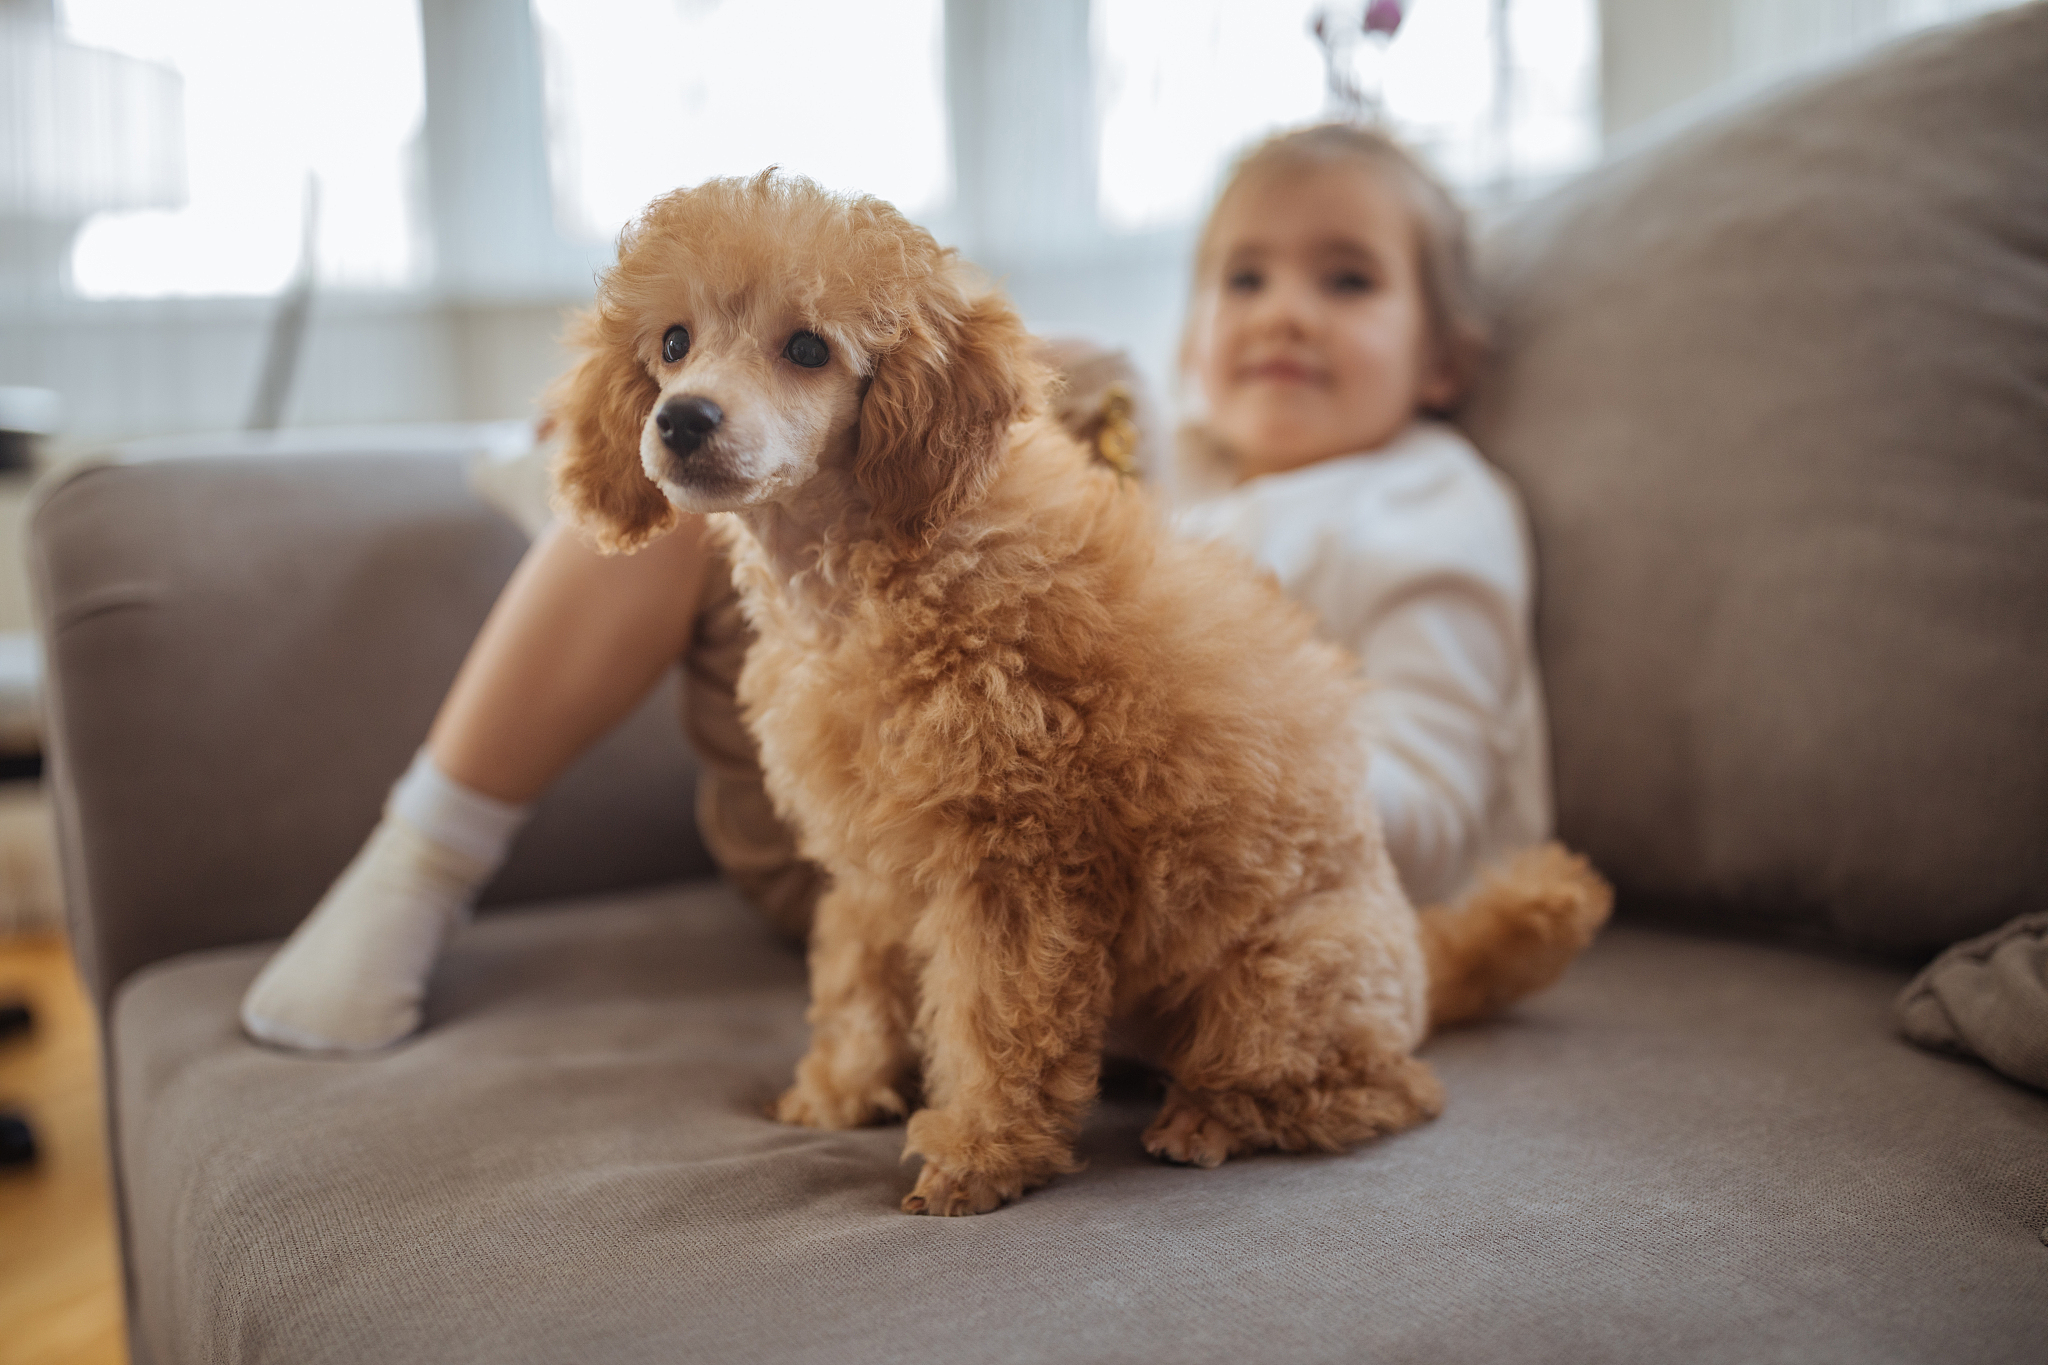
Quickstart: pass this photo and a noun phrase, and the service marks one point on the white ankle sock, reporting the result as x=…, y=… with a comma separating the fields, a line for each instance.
x=352, y=976
x=479, y=827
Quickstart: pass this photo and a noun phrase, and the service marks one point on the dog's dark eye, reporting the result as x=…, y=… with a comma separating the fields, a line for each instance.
x=675, y=344
x=807, y=349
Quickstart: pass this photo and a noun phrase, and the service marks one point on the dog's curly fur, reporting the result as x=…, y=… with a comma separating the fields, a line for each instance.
x=1062, y=768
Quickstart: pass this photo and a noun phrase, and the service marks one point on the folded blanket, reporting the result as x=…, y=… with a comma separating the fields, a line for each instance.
x=1987, y=997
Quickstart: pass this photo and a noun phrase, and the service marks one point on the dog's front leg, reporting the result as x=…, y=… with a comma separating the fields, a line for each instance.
x=860, y=1013
x=1015, y=997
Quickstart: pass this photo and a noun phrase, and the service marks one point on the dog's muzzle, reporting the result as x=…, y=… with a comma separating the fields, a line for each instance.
x=684, y=424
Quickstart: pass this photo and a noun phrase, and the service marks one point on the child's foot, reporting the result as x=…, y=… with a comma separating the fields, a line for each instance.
x=352, y=977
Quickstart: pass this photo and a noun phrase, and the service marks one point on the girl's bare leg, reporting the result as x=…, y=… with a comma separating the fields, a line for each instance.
x=575, y=641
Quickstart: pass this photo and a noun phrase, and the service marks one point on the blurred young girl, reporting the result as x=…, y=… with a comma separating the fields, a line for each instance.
x=1331, y=317
x=1333, y=321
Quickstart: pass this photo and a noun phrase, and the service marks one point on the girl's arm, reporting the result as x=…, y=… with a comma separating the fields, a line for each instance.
x=1443, y=664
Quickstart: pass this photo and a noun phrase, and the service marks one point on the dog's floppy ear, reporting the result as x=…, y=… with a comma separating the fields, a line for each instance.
x=599, y=409
x=935, y=414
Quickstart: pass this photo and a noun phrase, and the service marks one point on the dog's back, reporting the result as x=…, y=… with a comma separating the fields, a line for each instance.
x=1061, y=683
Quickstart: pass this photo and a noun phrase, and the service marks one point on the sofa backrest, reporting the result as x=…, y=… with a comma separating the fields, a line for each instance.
x=1776, y=393
x=245, y=651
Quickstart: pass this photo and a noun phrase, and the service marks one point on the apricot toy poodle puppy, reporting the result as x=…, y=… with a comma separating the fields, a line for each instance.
x=1062, y=768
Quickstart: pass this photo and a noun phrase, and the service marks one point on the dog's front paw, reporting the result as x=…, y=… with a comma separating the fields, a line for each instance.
x=810, y=1105
x=946, y=1193
x=974, y=1167
x=1187, y=1133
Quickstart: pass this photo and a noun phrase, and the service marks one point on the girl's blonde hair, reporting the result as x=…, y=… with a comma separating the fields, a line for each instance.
x=1450, y=295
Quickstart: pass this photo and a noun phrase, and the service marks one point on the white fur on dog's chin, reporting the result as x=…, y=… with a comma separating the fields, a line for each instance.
x=697, y=500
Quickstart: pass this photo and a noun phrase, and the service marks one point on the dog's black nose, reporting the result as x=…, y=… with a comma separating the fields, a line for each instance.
x=684, y=423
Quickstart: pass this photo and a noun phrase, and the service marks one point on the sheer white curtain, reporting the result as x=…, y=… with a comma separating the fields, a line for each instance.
x=1069, y=145
x=647, y=95
x=1027, y=129
x=272, y=93
x=1768, y=38
x=1500, y=94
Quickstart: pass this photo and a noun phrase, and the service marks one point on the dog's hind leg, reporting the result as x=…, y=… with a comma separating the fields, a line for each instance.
x=1301, y=1040
x=862, y=997
x=1205, y=1127
x=1015, y=1002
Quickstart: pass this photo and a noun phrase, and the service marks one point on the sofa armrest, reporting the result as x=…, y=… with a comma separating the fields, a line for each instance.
x=244, y=651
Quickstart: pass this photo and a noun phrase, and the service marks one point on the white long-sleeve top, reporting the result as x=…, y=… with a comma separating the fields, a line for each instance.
x=1414, y=558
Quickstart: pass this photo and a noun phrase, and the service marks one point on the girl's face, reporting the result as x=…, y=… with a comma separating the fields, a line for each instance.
x=1311, y=338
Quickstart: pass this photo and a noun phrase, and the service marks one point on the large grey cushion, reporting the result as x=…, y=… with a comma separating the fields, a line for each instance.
x=1776, y=394
x=1690, y=1150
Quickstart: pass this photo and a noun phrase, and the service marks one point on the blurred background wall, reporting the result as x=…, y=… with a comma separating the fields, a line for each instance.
x=431, y=184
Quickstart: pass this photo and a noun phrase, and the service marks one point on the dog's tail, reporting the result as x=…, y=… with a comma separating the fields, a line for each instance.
x=1514, y=935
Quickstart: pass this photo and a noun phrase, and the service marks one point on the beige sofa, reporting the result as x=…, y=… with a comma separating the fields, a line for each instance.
x=1777, y=394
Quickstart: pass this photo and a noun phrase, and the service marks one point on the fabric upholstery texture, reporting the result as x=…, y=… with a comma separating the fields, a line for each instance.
x=1696, y=1150
x=1776, y=395
x=245, y=653
x=1988, y=998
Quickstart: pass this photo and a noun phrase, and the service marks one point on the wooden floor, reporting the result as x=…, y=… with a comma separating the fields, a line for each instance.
x=60, y=1295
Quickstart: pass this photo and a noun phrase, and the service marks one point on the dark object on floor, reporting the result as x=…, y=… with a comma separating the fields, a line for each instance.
x=20, y=767
x=15, y=1017
x=17, y=449
x=17, y=1141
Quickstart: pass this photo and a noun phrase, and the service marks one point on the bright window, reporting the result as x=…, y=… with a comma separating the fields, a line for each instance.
x=648, y=95
x=1183, y=84
x=273, y=92
x=1503, y=96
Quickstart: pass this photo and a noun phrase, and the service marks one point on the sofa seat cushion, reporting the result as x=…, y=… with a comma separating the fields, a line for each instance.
x=1689, y=1149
